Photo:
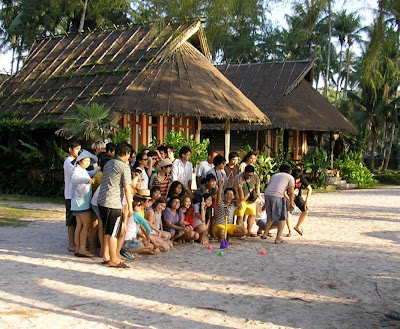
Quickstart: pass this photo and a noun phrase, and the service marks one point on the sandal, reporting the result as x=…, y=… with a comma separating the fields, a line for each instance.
x=104, y=262
x=121, y=265
x=300, y=231
x=393, y=315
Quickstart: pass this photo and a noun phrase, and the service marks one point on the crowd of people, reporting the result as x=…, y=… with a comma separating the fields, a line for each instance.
x=119, y=203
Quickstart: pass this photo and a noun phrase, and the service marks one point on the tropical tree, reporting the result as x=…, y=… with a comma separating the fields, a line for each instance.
x=346, y=28
x=89, y=123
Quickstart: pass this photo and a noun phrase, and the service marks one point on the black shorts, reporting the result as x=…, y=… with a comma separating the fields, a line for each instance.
x=299, y=202
x=70, y=220
x=112, y=220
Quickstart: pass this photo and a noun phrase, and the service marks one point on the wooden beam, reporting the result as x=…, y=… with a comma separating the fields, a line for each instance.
x=227, y=138
x=198, y=130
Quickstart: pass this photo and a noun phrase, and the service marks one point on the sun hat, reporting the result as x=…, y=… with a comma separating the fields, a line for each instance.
x=143, y=194
x=86, y=154
x=165, y=162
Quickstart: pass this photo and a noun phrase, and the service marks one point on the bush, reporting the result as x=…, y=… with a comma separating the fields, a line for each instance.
x=353, y=170
x=393, y=179
x=32, y=171
x=177, y=140
x=316, y=165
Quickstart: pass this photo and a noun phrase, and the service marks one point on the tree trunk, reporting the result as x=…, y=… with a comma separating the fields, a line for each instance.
x=328, y=62
x=82, y=21
x=390, y=147
x=346, y=82
x=340, y=73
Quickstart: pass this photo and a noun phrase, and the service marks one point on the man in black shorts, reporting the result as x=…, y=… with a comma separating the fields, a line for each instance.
x=115, y=185
x=300, y=183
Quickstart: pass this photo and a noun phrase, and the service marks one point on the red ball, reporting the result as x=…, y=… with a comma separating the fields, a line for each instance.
x=262, y=252
x=210, y=247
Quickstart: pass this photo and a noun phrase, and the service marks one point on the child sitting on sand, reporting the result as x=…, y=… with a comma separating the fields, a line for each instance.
x=158, y=237
x=203, y=215
x=135, y=241
x=173, y=222
x=225, y=211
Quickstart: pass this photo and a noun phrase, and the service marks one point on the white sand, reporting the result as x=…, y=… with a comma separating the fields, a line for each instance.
x=343, y=273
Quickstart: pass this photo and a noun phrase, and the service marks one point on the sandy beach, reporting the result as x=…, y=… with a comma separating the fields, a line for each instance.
x=343, y=273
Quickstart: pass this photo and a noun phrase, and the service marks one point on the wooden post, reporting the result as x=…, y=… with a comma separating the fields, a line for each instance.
x=227, y=138
x=160, y=129
x=296, y=145
x=143, y=139
x=198, y=130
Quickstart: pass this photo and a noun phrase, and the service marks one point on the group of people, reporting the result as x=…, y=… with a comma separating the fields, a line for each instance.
x=125, y=203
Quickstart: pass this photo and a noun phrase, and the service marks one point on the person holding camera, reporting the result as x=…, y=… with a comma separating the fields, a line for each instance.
x=250, y=183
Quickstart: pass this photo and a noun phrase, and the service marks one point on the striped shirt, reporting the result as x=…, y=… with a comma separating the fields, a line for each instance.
x=222, y=211
x=154, y=181
x=116, y=174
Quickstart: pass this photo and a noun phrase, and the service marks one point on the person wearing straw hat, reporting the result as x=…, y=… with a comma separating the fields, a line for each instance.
x=81, y=195
x=162, y=179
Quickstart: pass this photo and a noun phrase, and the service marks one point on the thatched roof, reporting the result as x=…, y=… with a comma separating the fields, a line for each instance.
x=138, y=70
x=282, y=90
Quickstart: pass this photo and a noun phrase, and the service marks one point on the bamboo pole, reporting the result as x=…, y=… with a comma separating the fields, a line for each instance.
x=198, y=130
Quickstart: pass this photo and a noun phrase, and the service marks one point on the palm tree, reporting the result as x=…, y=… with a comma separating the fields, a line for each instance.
x=89, y=123
x=346, y=27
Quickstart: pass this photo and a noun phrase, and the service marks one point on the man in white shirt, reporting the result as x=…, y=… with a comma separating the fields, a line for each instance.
x=73, y=149
x=204, y=166
x=182, y=169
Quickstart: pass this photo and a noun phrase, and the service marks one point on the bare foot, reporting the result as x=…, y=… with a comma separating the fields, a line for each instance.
x=72, y=248
x=278, y=241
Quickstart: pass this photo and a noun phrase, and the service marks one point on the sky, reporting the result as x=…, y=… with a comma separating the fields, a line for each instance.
x=279, y=9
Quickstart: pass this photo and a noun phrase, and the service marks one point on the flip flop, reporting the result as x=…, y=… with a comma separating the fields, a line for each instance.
x=105, y=262
x=299, y=231
x=121, y=265
x=78, y=254
x=71, y=250
x=393, y=315
x=278, y=242
x=263, y=237
x=253, y=235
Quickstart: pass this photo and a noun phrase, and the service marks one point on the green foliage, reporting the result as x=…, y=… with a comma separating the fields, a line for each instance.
x=177, y=140
x=265, y=167
x=353, y=170
x=89, y=123
x=121, y=135
x=31, y=169
x=316, y=164
x=392, y=179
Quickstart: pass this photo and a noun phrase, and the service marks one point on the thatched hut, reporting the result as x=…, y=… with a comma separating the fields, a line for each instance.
x=283, y=91
x=155, y=80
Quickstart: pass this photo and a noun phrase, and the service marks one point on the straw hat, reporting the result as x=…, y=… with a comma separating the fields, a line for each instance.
x=165, y=162
x=143, y=194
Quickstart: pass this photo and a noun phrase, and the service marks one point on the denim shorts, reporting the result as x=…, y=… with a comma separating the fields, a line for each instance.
x=132, y=245
x=80, y=212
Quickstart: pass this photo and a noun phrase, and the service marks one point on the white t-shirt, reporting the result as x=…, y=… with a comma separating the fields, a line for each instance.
x=68, y=169
x=182, y=173
x=145, y=178
x=202, y=169
x=95, y=196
